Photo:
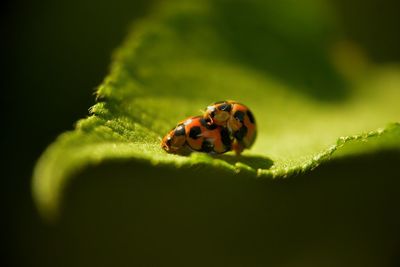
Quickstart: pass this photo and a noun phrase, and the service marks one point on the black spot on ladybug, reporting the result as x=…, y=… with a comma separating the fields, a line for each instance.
x=195, y=132
x=207, y=146
x=225, y=107
x=168, y=142
x=239, y=115
x=225, y=138
x=180, y=130
x=211, y=126
x=204, y=121
x=251, y=117
x=207, y=123
x=241, y=133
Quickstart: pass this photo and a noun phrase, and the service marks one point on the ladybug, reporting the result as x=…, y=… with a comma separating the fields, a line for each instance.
x=237, y=118
x=197, y=134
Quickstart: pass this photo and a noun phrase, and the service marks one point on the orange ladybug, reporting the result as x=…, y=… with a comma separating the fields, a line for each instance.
x=197, y=134
x=237, y=118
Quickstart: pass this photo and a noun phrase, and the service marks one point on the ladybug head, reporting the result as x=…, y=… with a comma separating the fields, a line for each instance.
x=219, y=112
x=174, y=141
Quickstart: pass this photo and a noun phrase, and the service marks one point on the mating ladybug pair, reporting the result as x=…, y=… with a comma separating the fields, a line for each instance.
x=225, y=126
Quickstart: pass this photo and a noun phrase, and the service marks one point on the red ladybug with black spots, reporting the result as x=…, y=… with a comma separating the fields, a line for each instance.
x=197, y=134
x=237, y=118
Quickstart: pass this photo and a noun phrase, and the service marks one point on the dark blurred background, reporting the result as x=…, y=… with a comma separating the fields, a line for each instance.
x=54, y=54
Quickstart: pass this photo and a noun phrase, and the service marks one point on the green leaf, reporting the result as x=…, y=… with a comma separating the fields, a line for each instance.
x=310, y=105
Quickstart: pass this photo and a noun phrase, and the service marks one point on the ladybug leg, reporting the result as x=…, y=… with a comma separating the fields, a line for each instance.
x=237, y=147
x=209, y=120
